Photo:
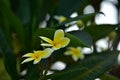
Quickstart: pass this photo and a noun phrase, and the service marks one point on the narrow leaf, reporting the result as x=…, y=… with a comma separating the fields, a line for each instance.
x=48, y=32
x=99, y=31
x=33, y=72
x=89, y=69
x=108, y=77
x=9, y=57
x=13, y=20
x=69, y=8
x=84, y=18
x=83, y=36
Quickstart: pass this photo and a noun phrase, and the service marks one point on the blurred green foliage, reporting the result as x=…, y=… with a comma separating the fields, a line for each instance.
x=20, y=26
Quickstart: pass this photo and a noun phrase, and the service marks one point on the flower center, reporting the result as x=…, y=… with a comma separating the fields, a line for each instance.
x=75, y=52
x=54, y=44
x=36, y=56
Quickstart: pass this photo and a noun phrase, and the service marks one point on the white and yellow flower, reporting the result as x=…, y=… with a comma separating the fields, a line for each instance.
x=60, y=18
x=75, y=52
x=58, y=42
x=37, y=55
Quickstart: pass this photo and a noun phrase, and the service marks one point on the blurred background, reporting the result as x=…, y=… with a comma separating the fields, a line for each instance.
x=19, y=19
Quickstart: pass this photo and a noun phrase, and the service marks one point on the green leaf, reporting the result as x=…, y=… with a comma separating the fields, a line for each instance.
x=108, y=77
x=38, y=10
x=13, y=20
x=99, y=31
x=3, y=74
x=9, y=57
x=75, y=41
x=88, y=69
x=48, y=32
x=94, y=4
x=33, y=72
x=23, y=11
x=4, y=24
x=37, y=14
x=83, y=36
x=69, y=8
x=84, y=18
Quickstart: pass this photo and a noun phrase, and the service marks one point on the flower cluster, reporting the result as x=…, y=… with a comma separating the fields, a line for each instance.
x=59, y=41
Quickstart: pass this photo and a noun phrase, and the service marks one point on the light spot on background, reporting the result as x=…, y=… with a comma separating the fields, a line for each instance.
x=87, y=50
x=58, y=66
x=102, y=44
x=73, y=15
x=88, y=9
x=97, y=79
x=73, y=27
x=110, y=12
x=113, y=1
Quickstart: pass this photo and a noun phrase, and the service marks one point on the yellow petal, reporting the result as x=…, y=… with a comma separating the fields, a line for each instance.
x=27, y=60
x=28, y=55
x=59, y=34
x=79, y=48
x=46, y=39
x=56, y=47
x=68, y=53
x=62, y=19
x=64, y=42
x=36, y=61
x=75, y=53
x=81, y=56
x=45, y=44
x=47, y=52
x=38, y=52
x=75, y=58
x=71, y=48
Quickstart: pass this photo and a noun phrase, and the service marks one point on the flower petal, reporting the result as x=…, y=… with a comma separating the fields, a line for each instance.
x=60, y=18
x=28, y=55
x=79, y=48
x=81, y=56
x=59, y=34
x=45, y=44
x=65, y=42
x=71, y=48
x=47, y=52
x=36, y=61
x=46, y=39
x=75, y=58
x=56, y=47
x=68, y=53
x=27, y=60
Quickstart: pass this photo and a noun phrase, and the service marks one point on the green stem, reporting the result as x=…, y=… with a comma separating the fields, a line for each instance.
x=116, y=42
x=94, y=47
x=41, y=70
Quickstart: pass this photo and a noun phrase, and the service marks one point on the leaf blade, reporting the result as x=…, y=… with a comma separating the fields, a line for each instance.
x=9, y=57
x=90, y=72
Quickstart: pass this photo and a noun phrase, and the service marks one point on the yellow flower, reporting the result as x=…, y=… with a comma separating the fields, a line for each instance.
x=75, y=52
x=37, y=55
x=58, y=42
x=60, y=18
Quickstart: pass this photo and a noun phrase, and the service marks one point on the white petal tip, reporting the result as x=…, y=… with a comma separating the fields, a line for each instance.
x=22, y=62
